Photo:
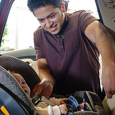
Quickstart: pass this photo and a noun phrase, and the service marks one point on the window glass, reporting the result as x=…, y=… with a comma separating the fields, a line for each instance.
x=88, y=5
x=20, y=26
x=21, y=23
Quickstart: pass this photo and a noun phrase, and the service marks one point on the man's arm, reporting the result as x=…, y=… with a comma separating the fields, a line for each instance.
x=44, y=71
x=99, y=35
x=45, y=87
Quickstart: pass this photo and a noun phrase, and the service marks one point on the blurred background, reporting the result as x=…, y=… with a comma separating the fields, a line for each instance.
x=21, y=23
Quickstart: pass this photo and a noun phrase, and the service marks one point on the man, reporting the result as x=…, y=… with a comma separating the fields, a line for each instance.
x=67, y=48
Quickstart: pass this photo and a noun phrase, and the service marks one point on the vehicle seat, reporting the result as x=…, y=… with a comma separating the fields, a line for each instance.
x=109, y=105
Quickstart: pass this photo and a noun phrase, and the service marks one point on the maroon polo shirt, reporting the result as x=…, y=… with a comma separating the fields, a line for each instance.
x=71, y=56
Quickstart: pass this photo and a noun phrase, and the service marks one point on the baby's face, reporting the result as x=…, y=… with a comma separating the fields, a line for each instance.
x=23, y=83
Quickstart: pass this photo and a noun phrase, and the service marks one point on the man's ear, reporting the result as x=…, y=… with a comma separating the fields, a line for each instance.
x=63, y=7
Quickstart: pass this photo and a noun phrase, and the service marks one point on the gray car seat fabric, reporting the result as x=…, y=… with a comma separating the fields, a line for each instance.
x=94, y=101
x=7, y=80
x=91, y=98
x=15, y=64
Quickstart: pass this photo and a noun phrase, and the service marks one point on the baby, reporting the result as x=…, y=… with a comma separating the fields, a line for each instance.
x=61, y=109
x=61, y=106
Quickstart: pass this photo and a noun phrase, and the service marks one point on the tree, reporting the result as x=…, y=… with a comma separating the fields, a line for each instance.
x=6, y=32
x=5, y=39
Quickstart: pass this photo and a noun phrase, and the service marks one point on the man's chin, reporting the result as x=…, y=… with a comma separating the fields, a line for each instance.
x=54, y=32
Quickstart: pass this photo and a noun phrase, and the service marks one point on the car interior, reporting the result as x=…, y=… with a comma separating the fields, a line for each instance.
x=106, y=11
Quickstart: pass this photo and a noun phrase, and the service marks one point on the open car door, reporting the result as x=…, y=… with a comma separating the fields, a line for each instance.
x=5, y=6
x=106, y=11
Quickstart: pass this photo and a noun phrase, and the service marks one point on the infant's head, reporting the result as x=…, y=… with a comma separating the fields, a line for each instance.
x=22, y=82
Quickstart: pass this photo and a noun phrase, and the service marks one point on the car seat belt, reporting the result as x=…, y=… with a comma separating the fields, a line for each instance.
x=38, y=98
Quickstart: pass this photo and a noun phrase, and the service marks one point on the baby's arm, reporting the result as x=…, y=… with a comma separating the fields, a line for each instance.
x=56, y=101
x=63, y=109
x=41, y=111
x=55, y=110
x=62, y=101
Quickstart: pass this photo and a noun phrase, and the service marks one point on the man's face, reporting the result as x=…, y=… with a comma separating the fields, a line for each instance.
x=22, y=83
x=51, y=19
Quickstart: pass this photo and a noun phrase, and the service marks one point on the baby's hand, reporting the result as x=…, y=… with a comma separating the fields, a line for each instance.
x=63, y=109
x=62, y=101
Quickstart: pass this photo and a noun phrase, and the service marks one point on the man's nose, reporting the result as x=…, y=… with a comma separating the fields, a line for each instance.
x=48, y=23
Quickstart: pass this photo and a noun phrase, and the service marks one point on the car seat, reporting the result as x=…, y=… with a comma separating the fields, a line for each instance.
x=13, y=100
x=7, y=80
x=91, y=98
x=14, y=64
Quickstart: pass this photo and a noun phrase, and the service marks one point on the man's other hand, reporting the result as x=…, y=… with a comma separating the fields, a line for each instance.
x=43, y=88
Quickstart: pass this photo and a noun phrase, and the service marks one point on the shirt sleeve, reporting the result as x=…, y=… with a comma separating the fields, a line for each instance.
x=85, y=19
x=38, y=50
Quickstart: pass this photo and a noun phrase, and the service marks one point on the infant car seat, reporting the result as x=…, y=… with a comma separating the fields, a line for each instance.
x=6, y=80
x=8, y=84
x=92, y=99
x=88, y=97
x=15, y=64
x=13, y=100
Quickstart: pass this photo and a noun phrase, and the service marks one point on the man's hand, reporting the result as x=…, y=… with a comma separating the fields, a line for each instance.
x=44, y=88
x=108, y=78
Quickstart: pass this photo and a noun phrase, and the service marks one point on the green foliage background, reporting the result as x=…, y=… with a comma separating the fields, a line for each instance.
x=5, y=39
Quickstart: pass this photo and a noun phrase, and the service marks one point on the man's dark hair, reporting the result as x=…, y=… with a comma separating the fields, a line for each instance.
x=34, y=4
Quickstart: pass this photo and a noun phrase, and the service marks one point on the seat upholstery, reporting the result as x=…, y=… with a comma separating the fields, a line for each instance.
x=12, y=92
x=19, y=66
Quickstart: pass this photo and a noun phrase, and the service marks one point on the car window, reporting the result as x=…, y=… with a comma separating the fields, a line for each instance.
x=21, y=23
x=88, y=5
